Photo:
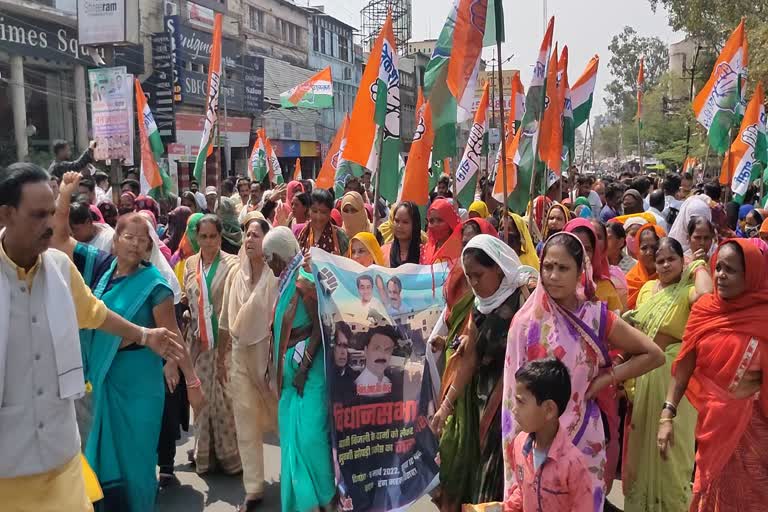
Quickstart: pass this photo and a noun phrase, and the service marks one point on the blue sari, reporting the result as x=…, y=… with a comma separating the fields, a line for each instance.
x=307, y=478
x=128, y=387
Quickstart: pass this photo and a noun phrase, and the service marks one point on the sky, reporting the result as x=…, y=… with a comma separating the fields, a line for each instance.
x=586, y=26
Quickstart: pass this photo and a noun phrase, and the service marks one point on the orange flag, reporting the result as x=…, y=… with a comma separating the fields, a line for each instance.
x=640, y=82
x=419, y=103
x=416, y=177
x=297, y=170
x=467, y=44
x=513, y=142
x=332, y=160
x=551, y=130
x=150, y=171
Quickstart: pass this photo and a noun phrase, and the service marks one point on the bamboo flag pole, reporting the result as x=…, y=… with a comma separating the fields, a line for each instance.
x=503, y=125
x=377, y=185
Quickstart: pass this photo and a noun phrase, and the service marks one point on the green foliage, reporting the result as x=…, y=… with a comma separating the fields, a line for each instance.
x=626, y=49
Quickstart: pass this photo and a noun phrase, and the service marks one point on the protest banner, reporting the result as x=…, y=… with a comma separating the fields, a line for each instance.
x=375, y=324
x=112, y=113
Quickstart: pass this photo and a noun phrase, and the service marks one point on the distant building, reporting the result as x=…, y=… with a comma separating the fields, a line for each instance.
x=425, y=47
x=681, y=56
x=276, y=28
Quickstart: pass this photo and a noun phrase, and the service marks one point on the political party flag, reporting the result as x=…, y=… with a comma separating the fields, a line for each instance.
x=443, y=104
x=326, y=177
x=513, y=141
x=689, y=164
x=297, y=170
x=419, y=103
x=551, y=141
x=525, y=159
x=151, y=176
x=467, y=45
x=375, y=121
x=494, y=23
x=517, y=102
x=416, y=177
x=259, y=158
x=469, y=167
x=569, y=129
x=211, y=103
x=582, y=93
x=749, y=152
x=719, y=104
x=317, y=92
x=273, y=165
x=640, y=85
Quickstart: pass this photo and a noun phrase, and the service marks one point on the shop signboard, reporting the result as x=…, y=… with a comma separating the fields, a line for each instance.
x=101, y=22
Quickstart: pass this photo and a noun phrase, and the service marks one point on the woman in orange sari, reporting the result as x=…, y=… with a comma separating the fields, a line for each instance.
x=443, y=234
x=647, y=238
x=721, y=369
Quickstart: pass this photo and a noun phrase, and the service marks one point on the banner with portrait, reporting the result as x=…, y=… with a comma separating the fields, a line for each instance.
x=382, y=392
x=112, y=113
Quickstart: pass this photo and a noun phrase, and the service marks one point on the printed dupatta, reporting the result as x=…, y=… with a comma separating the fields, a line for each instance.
x=207, y=321
x=542, y=328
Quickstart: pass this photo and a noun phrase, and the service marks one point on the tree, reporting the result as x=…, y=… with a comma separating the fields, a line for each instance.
x=626, y=48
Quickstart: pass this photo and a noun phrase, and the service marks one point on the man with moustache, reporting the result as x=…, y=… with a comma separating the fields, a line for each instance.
x=43, y=302
x=379, y=344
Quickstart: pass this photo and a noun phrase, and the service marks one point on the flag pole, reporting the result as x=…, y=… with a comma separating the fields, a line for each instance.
x=503, y=125
x=640, y=144
x=584, y=149
x=377, y=185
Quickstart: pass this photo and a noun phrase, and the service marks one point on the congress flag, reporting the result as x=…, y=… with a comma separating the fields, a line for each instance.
x=333, y=159
x=151, y=177
x=640, y=85
x=317, y=92
x=551, y=129
x=719, y=104
x=416, y=177
x=749, y=151
x=469, y=167
x=376, y=114
x=467, y=45
x=582, y=92
x=211, y=103
x=259, y=158
x=297, y=170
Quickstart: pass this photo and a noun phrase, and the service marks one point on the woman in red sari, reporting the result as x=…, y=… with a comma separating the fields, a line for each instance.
x=443, y=233
x=721, y=369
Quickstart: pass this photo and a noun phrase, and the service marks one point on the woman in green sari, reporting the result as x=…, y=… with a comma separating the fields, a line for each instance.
x=306, y=476
x=663, y=306
x=469, y=417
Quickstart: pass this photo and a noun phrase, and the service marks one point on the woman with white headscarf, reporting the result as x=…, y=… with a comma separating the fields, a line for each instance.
x=694, y=206
x=469, y=418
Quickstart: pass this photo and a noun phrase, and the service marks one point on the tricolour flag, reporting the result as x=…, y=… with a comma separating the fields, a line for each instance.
x=583, y=91
x=569, y=128
x=469, y=167
x=443, y=104
x=689, y=164
x=273, y=164
x=525, y=159
x=316, y=92
x=326, y=177
x=297, y=170
x=259, y=158
x=749, y=152
x=551, y=141
x=512, y=143
x=211, y=102
x=640, y=85
x=718, y=105
x=151, y=176
x=376, y=114
x=516, y=102
x=514, y=117
x=467, y=45
x=416, y=177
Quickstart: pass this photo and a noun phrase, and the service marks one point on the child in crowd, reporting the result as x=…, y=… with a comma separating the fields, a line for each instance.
x=549, y=471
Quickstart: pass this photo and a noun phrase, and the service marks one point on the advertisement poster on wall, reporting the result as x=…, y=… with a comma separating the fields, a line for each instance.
x=112, y=113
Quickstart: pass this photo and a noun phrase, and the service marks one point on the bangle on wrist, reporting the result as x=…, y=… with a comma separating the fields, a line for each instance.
x=144, y=335
x=666, y=420
x=669, y=406
x=194, y=383
x=623, y=359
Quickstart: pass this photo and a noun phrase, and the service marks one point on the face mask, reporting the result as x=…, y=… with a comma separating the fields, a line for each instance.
x=632, y=246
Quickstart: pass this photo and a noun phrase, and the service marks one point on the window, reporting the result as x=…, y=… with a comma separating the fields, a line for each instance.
x=322, y=40
x=283, y=29
x=287, y=129
x=255, y=19
x=347, y=74
x=292, y=29
x=344, y=50
x=315, y=38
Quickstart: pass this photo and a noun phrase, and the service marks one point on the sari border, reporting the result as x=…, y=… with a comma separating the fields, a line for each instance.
x=746, y=360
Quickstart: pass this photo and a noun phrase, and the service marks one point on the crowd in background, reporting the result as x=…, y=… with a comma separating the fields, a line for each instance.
x=609, y=332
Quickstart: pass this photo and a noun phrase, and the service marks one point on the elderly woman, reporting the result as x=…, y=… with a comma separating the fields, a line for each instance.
x=721, y=369
x=470, y=445
x=307, y=477
x=205, y=274
x=249, y=297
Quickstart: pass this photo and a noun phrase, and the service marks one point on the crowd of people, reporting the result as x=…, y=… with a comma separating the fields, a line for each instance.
x=610, y=332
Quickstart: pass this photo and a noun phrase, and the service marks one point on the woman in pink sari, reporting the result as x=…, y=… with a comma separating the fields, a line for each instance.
x=721, y=369
x=557, y=321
